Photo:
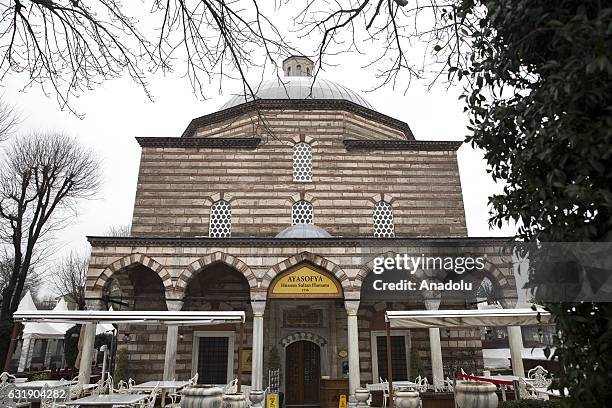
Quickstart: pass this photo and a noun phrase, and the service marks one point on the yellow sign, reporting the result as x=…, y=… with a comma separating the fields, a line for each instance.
x=272, y=401
x=305, y=281
x=342, y=401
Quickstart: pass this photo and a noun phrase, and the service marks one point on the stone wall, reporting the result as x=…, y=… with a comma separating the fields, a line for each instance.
x=177, y=185
x=175, y=261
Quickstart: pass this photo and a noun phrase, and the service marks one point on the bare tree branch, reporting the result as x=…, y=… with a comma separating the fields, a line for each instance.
x=119, y=231
x=68, y=278
x=412, y=39
x=68, y=46
x=9, y=119
x=42, y=178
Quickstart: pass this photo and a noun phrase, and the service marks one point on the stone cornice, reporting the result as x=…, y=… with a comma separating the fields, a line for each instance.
x=301, y=104
x=383, y=243
x=432, y=145
x=206, y=142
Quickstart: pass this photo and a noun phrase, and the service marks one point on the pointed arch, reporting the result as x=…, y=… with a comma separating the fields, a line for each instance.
x=128, y=261
x=218, y=256
x=316, y=260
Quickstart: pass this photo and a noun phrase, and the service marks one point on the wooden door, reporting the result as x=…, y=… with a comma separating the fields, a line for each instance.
x=303, y=368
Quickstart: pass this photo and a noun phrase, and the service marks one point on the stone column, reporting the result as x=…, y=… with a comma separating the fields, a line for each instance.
x=515, y=338
x=432, y=302
x=87, y=344
x=171, y=342
x=259, y=307
x=352, y=306
x=87, y=350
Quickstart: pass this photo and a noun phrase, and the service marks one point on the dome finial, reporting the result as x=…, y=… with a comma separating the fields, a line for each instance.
x=298, y=65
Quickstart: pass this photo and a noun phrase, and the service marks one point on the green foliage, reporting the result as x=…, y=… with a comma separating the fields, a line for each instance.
x=121, y=367
x=71, y=345
x=416, y=365
x=539, y=96
x=531, y=404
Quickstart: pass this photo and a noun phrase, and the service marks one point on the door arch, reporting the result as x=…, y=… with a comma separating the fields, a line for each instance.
x=302, y=373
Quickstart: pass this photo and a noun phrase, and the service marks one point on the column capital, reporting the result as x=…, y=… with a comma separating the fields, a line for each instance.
x=94, y=304
x=174, y=305
x=352, y=307
x=174, y=300
x=259, y=307
x=508, y=302
x=431, y=299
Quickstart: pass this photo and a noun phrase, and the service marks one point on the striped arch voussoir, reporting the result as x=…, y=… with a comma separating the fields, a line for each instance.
x=367, y=269
x=128, y=261
x=206, y=260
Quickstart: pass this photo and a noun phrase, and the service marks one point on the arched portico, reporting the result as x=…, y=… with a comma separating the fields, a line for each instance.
x=127, y=262
x=186, y=275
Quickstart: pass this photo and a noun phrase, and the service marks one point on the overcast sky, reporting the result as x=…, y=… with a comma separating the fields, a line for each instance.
x=118, y=111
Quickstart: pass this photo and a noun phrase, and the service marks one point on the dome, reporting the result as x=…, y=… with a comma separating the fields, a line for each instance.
x=299, y=87
x=303, y=231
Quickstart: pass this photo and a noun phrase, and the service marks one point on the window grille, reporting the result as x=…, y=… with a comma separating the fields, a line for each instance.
x=302, y=162
x=220, y=220
x=212, y=360
x=399, y=359
x=383, y=220
x=302, y=213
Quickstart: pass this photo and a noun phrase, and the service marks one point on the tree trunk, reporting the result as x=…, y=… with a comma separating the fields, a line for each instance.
x=6, y=329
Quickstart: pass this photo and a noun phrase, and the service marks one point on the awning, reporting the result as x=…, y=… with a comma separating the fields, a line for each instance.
x=133, y=317
x=415, y=319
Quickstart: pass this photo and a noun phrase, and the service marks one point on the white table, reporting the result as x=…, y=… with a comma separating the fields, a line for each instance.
x=161, y=385
x=404, y=384
x=109, y=399
x=396, y=385
x=42, y=383
x=167, y=385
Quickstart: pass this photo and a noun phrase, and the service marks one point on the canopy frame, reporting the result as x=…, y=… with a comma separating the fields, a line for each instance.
x=412, y=319
x=169, y=318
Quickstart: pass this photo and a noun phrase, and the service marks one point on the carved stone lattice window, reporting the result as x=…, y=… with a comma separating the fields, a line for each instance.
x=302, y=213
x=302, y=162
x=383, y=220
x=220, y=220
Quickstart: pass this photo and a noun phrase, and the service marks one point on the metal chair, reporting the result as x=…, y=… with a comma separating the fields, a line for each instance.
x=526, y=390
x=7, y=392
x=231, y=387
x=194, y=379
x=72, y=393
x=539, y=377
x=46, y=397
x=149, y=402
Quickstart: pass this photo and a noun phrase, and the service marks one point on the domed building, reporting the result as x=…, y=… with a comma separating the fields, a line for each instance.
x=278, y=206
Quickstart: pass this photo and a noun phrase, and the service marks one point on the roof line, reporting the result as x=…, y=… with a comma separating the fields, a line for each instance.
x=304, y=104
x=210, y=142
x=375, y=144
x=384, y=243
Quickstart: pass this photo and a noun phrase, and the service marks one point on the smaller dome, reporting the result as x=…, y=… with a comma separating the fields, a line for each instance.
x=303, y=231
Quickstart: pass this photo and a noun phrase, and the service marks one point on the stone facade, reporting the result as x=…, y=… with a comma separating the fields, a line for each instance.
x=243, y=156
x=177, y=186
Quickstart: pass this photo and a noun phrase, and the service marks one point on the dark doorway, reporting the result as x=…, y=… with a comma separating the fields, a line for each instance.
x=303, y=367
